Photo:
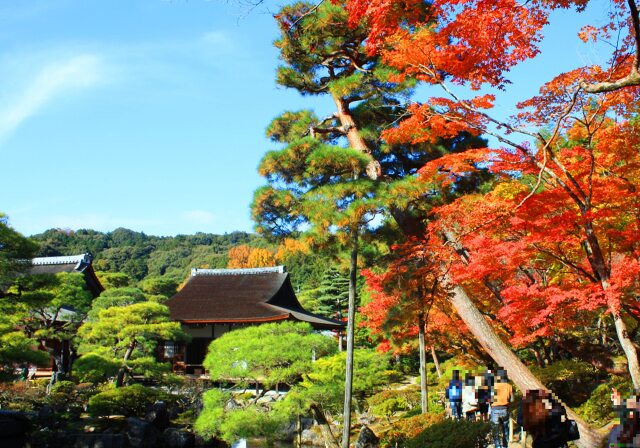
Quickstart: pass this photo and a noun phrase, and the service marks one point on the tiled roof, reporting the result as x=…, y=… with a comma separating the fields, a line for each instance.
x=241, y=296
x=73, y=263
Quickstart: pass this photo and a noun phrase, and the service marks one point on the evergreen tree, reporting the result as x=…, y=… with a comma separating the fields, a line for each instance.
x=332, y=296
x=336, y=175
x=121, y=340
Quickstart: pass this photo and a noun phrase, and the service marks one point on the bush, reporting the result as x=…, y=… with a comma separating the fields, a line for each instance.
x=22, y=396
x=389, y=402
x=452, y=433
x=408, y=428
x=93, y=368
x=598, y=409
x=573, y=381
x=128, y=401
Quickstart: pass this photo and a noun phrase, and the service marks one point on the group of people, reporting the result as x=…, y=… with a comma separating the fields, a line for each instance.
x=482, y=397
x=488, y=396
x=626, y=433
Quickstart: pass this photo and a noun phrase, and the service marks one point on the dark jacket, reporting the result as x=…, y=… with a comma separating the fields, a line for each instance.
x=554, y=433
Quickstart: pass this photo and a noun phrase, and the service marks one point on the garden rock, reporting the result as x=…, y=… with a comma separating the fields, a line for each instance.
x=159, y=416
x=178, y=438
x=311, y=437
x=266, y=400
x=13, y=429
x=100, y=441
x=367, y=439
x=142, y=434
x=47, y=417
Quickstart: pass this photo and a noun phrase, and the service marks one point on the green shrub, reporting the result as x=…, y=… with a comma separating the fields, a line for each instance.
x=129, y=401
x=22, y=396
x=389, y=402
x=452, y=433
x=598, y=408
x=406, y=429
x=573, y=381
x=93, y=368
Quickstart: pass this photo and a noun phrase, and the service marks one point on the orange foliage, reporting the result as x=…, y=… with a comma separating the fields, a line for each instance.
x=244, y=256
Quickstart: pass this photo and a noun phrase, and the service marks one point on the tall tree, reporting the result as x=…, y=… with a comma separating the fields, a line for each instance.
x=451, y=44
x=331, y=298
x=318, y=185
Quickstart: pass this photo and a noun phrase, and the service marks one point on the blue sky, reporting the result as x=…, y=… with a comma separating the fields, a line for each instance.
x=150, y=114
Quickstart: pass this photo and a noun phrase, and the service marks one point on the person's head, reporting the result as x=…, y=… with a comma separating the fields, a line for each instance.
x=534, y=410
x=468, y=379
x=455, y=375
x=480, y=381
x=501, y=376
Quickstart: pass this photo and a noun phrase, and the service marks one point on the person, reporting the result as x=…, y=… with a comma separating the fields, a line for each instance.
x=544, y=418
x=33, y=369
x=501, y=397
x=454, y=394
x=483, y=397
x=625, y=434
x=23, y=373
x=469, y=398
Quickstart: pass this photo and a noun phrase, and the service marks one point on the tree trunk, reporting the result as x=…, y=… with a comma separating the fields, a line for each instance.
x=353, y=277
x=352, y=133
x=57, y=357
x=504, y=357
x=423, y=366
x=628, y=347
x=329, y=439
x=599, y=266
x=123, y=369
x=436, y=362
x=298, y=431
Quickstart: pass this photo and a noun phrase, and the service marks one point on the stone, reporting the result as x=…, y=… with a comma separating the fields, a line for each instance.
x=47, y=417
x=311, y=437
x=266, y=400
x=158, y=415
x=142, y=434
x=13, y=423
x=100, y=441
x=178, y=438
x=367, y=438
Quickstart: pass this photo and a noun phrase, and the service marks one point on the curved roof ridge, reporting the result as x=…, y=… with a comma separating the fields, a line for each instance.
x=243, y=271
x=40, y=261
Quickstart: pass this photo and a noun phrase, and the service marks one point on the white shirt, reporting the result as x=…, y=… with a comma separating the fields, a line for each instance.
x=469, y=400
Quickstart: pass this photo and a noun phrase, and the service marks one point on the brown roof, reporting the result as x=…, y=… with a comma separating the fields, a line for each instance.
x=75, y=263
x=241, y=296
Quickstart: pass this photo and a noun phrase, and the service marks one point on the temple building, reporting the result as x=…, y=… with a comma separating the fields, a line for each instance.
x=215, y=301
x=74, y=263
x=53, y=265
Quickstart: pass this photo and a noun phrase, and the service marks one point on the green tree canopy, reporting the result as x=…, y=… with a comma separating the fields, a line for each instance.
x=271, y=354
x=15, y=253
x=122, y=340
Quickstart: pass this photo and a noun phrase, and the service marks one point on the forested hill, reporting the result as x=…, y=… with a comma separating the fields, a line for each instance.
x=141, y=256
x=147, y=259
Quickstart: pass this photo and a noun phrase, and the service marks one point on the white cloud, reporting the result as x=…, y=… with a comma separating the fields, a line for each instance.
x=215, y=44
x=199, y=217
x=51, y=82
x=217, y=38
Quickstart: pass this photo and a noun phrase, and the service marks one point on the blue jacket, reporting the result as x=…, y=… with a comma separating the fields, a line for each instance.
x=454, y=383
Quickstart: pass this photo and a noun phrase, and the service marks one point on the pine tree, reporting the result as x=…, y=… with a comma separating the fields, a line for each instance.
x=332, y=295
x=335, y=176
